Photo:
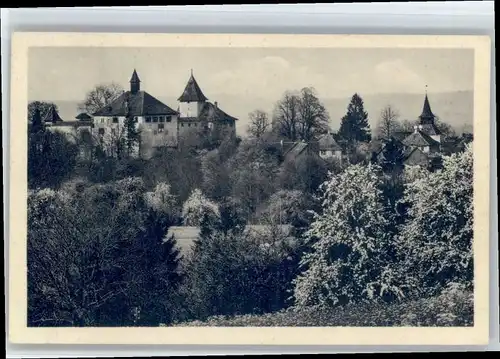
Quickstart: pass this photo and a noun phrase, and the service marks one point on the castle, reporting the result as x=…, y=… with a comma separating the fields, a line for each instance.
x=159, y=124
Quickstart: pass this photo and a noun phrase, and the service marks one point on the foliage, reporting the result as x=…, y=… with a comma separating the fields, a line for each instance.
x=354, y=125
x=388, y=122
x=86, y=271
x=453, y=308
x=305, y=173
x=42, y=106
x=51, y=158
x=232, y=273
x=436, y=240
x=162, y=201
x=300, y=116
x=351, y=254
x=259, y=123
x=196, y=206
x=289, y=207
x=99, y=97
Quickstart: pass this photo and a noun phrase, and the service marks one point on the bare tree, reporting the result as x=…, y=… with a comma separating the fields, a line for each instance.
x=286, y=116
x=99, y=97
x=259, y=123
x=388, y=122
x=407, y=125
x=313, y=118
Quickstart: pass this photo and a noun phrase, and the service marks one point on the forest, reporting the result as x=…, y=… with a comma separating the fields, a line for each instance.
x=372, y=243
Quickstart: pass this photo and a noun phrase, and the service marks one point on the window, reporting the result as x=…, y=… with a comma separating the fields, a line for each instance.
x=102, y=120
x=148, y=118
x=113, y=131
x=189, y=125
x=161, y=127
x=169, y=119
x=155, y=118
x=101, y=131
x=323, y=153
x=115, y=119
x=161, y=118
x=155, y=132
x=182, y=124
x=136, y=119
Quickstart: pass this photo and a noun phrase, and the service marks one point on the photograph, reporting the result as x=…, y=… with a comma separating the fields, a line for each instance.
x=275, y=182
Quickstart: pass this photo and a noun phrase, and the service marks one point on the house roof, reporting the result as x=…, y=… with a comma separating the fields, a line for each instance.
x=401, y=135
x=52, y=116
x=430, y=129
x=140, y=103
x=192, y=92
x=210, y=112
x=296, y=149
x=416, y=157
x=418, y=138
x=327, y=142
x=83, y=116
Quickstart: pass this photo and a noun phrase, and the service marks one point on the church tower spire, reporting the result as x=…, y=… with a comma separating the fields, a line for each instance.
x=427, y=117
x=135, y=83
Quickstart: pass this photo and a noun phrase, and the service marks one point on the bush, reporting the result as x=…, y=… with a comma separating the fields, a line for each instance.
x=454, y=307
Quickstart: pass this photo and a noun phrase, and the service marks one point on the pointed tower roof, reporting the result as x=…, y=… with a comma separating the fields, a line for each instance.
x=427, y=116
x=192, y=92
x=52, y=115
x=135, y=77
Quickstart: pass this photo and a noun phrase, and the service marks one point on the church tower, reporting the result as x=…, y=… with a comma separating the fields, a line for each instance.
x=135, y=83
x=427, y=119
x=192, y=99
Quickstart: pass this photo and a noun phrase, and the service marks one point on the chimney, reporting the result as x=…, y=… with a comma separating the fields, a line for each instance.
x=216, y=105
x=416, y=128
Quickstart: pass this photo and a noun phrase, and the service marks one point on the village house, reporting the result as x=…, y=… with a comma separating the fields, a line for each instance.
x=329, y=148
x=423, y=145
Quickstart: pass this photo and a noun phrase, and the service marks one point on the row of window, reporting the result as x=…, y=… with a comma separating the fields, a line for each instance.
x=161, y=128
x=158, y=119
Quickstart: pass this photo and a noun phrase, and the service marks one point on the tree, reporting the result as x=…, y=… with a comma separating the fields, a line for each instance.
x=216, y=182
x=51, y=157
x=388, y=122
x=133, y=134
x=86, y=271
x=42, y=106
x=100, y=96
x=305, y=173
x=196, y=206
x=351, y=248
x=436, y=240
x=259, y=123
x=300, y=116
x=313, y=119
x=354, y=125
x=286, y=116
x=290, y=207
x=37, y=124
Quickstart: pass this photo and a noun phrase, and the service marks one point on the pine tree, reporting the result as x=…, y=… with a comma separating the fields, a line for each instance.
x=36, y=122
x=156, y=266
x=354, y=125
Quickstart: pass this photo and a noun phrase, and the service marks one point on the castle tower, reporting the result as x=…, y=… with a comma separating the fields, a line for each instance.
x=135, y=83
x=192, y=99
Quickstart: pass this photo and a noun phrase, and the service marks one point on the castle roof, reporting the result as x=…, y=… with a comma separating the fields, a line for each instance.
x=192, y=92
x=419, y=139
x=210, y=113
x=52, y=116
x=140, y=103
x=83, y=116
x=327, y=142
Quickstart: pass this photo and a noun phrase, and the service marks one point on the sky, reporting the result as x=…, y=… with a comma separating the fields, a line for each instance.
x=248, y=76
